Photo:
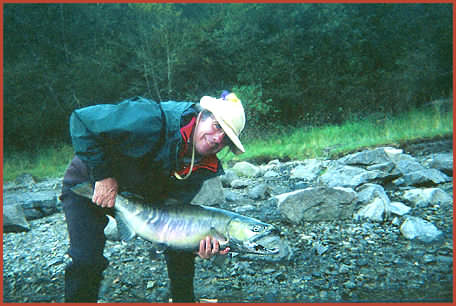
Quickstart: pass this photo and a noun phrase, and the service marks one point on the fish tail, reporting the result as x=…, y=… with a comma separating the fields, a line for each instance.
x=84, y=190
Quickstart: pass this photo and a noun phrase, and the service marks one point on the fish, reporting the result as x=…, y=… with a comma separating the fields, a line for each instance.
x=182, y=227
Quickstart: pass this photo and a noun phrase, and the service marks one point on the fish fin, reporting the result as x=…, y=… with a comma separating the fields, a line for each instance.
x=222, y=239
x=125, y=232
x=111, y=232
x=84, y=190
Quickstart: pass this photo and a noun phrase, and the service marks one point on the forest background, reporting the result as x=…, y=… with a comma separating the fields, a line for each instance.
x=293, y=65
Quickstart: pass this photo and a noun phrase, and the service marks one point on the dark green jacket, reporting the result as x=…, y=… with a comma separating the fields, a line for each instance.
x=137, y=142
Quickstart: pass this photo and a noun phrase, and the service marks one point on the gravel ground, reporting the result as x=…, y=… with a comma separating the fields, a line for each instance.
x=332, y=261
x=340, y=261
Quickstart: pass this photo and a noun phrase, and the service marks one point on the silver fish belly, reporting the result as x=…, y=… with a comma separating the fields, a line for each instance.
x=182, y=227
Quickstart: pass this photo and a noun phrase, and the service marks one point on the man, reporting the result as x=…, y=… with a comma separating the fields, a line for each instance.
x=157, y=150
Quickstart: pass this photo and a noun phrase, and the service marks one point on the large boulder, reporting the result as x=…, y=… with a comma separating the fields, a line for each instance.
x=369, y=157
x=228, y=178
x=211, y=193
x=348, y=176
x=34, y=204
x=246, y=169
x=417, y=228
x=376, y=202
x=309, y=171
x=424, y=177
x=440, y=161
x=14, y=219
x=317, y=204
x=427, y=196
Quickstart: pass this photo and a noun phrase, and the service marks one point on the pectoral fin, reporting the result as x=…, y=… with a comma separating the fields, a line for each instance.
x=125, y=232
x=222, y=239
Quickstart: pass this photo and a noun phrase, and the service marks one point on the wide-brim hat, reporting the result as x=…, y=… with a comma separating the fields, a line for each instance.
x=229, y=113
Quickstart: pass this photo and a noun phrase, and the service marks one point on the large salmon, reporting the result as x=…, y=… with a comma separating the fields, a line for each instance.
x=182, y=227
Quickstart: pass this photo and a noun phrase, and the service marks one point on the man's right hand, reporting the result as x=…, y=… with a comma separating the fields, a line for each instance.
x=105, y=192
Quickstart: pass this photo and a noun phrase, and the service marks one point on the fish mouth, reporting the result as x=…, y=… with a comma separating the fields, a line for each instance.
x=261, y=249
x=265, y=244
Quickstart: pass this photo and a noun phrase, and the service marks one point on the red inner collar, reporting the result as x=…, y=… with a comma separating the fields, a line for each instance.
x=207, y=162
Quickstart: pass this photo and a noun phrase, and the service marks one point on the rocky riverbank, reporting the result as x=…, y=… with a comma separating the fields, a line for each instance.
x=371, y=226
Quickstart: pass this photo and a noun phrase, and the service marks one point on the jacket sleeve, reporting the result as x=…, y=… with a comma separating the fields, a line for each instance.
x=131, y=128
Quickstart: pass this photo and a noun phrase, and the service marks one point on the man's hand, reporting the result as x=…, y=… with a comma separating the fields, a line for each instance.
x=210, y=247
x=105, y=192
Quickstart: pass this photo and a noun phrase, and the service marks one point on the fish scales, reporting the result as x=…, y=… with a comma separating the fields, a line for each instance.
x=182, y=227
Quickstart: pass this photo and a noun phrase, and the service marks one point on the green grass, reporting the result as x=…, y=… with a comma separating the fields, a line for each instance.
x=46, y=162
x=286, y=143
x=333, y=140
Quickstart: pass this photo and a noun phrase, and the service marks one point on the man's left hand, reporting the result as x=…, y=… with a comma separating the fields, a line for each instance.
x=210, y=247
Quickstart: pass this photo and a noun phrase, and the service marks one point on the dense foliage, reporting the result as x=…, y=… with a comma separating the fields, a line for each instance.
x=289, y=63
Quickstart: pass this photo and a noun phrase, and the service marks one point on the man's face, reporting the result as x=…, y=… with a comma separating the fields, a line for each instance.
x=209, y=137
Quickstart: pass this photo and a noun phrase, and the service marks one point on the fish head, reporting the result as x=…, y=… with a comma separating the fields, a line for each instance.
x=247, y=235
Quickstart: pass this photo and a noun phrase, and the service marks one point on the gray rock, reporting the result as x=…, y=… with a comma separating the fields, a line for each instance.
x=14, y=219
x=399, y=208
x=368, y=192
x=417, y=228
x=442, y=162
x=301, y=185
x=274, y=162
x=35, y=205
x=231, y=196
x=367, y=157
x=228, y=178
x=240, y=183
x=271, y=174
x=246, y=169
x=388, y=170
x=271, y=167
x=211, y=193
x=348, y=176
x=320, y=248
x=25, y=180
x=407, y=164
x=259, y=192
x=375, y=210
x=377, y=202
x=243, y=209
x=424, y=177
x=317, y=204
x=427, y=196
x=309, y=171
x=388, y=166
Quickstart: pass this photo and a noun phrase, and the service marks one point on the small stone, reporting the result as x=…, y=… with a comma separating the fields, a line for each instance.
x=150, y=284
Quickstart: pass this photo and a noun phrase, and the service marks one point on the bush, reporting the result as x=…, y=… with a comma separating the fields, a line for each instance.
x=259, y=110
